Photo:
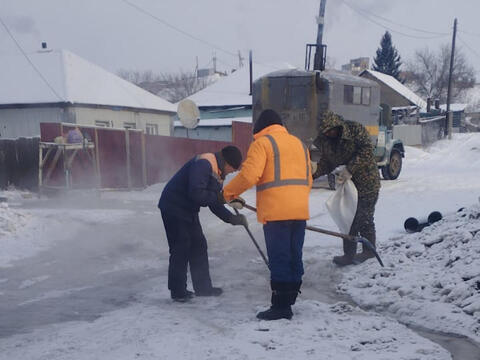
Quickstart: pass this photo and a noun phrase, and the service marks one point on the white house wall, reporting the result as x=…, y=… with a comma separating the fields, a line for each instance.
x=25, y=122
x=121, y=118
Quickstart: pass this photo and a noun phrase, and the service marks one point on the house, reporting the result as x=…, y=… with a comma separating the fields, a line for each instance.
x=59, y=86
x=356, y=66
x=393, y=92
x=226, y=100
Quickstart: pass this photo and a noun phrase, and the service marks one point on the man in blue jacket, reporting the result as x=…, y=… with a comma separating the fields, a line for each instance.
x=196, y=184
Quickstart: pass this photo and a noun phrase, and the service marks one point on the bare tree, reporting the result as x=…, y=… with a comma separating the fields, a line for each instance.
x=428, y=72
x=171, y=86
x=137, y=77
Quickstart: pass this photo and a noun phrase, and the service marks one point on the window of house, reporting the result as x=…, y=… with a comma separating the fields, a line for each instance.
x=102, y=123
x=129, y=125
x=151, y=129
x=366, y=96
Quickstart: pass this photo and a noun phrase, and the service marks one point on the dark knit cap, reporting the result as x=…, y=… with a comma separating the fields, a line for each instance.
x=267, y=117
x=232, y=156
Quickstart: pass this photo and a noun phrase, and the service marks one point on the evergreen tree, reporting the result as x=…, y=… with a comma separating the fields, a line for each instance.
x=387, y=60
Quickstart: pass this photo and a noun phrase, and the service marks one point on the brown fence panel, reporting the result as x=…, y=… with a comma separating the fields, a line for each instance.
x=136, y=159
x=112, y=158
x=166, y=154
x=49, y=131
x=242, y=136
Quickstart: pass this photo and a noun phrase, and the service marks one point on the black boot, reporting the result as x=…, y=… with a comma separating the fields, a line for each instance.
x=365, y=254
x=183, y=296
x=349, y=250
x=281, y=299
x=213, y=291
x=294, y=291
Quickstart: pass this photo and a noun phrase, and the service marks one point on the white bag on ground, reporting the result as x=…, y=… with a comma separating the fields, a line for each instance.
x=342, y=205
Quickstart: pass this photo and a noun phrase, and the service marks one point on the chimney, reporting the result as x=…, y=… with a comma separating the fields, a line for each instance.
x=44, y=45
x=437, y=104
x=429, y=104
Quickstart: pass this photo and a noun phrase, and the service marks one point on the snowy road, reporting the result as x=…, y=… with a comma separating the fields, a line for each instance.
x=94, y=287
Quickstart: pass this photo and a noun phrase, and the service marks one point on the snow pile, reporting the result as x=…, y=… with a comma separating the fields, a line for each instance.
x=11, y=220
x=431, y=279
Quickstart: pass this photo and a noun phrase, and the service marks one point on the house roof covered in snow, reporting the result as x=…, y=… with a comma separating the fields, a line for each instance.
x=234, y=90
x=397, y=86
x=64, y=77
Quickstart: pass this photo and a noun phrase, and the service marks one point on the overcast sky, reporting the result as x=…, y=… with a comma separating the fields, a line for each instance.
x=116, y=35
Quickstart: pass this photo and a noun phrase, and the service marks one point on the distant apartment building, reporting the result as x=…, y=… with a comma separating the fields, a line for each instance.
x=356, y=66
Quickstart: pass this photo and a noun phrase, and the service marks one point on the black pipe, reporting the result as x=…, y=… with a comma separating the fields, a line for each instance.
x=412, y=225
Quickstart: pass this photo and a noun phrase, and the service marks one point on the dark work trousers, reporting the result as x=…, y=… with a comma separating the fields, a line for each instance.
x=284, y=240
x=363, y=223
x=188, y=246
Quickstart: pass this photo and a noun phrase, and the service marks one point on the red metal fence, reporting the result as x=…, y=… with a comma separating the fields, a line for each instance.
x=131, y=159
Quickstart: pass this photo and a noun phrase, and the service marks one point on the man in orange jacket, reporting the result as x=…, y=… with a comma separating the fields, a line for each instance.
x=279, y=165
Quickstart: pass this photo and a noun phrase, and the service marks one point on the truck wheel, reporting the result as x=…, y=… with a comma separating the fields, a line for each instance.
x=391, y=171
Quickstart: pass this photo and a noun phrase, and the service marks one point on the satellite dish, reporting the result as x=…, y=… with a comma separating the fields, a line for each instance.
x=188, y=113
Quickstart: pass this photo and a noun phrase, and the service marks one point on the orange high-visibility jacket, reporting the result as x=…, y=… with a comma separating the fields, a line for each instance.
x=279, y=164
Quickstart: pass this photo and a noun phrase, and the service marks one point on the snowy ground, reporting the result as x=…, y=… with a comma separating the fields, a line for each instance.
x=85, y=277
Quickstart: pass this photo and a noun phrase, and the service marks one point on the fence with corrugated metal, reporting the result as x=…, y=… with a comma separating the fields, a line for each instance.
x=127, y=158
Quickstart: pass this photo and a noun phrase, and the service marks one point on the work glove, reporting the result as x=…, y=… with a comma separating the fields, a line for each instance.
x=314, y=166
x=237, y=203
x=342, y=176
x=239, y=219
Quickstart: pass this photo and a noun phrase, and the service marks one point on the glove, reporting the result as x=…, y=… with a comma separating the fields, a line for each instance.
x=239, y=219
x=343, y=175
x=314, y=166
x=237, y=203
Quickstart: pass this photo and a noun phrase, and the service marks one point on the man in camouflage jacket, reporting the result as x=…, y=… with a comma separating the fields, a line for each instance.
x=343, y=142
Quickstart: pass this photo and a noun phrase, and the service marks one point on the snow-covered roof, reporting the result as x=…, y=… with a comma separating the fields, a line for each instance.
x=454, y=107
x=234, y=89
x=217, y=122
x=70, y=79
x=397, y=86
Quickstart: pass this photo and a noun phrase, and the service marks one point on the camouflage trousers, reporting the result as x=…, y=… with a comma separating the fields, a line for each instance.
x=363, y=223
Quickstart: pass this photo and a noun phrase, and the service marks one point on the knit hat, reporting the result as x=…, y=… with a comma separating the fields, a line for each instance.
x=232, y=156
x=267, y=117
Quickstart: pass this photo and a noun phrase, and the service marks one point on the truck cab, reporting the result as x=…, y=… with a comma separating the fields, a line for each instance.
x=301, y=97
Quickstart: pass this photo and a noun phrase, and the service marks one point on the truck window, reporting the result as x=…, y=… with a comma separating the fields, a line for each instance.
x=356, y=95
x=352, y=94
x=365, y=96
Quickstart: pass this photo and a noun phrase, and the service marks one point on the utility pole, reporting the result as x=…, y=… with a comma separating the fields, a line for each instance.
x=196, y=67
x=318, y=61
x=450, y=74
x=214, y=63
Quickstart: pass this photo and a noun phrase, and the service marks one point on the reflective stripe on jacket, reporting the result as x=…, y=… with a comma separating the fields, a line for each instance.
x=279, y=164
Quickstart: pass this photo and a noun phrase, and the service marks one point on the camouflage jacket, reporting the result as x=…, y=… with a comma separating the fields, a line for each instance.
x=353, y=149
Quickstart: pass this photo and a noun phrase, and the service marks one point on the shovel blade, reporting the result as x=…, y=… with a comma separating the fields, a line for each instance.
x=367, y=244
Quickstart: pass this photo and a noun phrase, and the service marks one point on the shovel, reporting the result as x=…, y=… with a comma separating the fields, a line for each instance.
x=254, y=242
x=357, y=239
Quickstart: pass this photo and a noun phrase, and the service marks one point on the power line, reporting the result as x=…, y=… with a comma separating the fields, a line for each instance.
x=469, y=33
x=28, y=59
x=469, y=47
x=402, y=25
x=359, y=11
x=145, y=12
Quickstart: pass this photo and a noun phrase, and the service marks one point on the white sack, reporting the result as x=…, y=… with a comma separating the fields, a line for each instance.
x=342, y=205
